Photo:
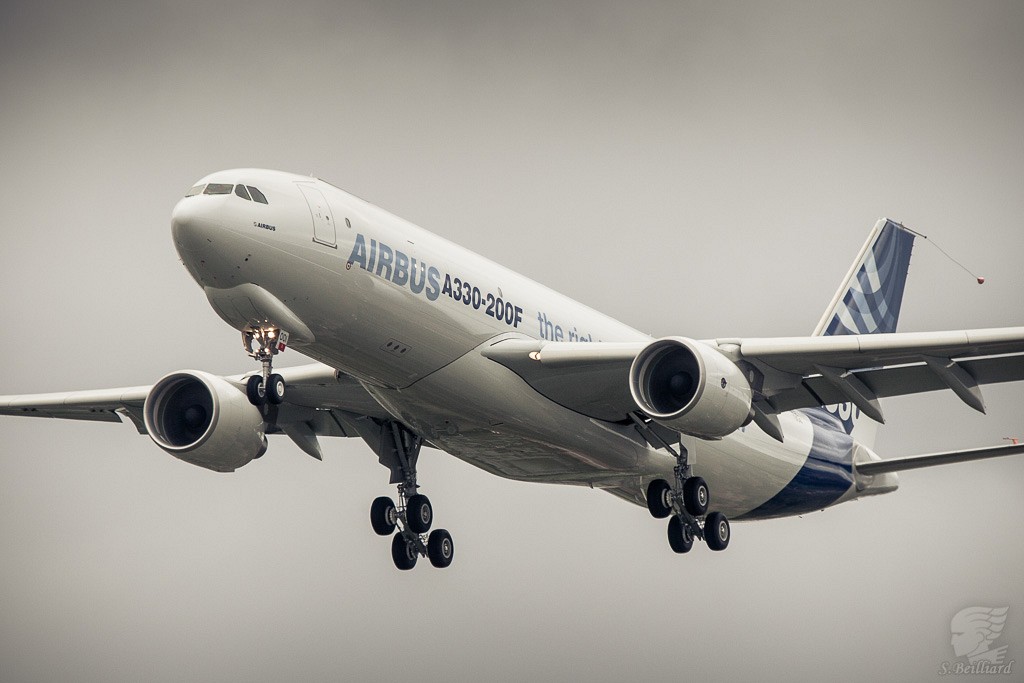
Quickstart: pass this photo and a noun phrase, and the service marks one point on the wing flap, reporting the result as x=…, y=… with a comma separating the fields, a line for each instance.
x=896, y=381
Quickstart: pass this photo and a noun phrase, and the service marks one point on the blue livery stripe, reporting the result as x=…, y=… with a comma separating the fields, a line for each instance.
x=872, y=304
x=825, y=476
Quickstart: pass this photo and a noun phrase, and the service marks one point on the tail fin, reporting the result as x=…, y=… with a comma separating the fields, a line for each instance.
x=868, y=302
x=869, y=298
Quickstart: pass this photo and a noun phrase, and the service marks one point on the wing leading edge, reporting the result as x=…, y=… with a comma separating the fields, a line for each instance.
x=787, y=372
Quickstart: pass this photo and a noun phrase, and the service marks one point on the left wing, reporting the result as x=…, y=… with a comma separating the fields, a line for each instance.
x=785, y=373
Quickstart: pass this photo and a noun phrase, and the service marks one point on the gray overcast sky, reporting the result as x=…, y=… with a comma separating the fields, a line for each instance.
x=689, y=168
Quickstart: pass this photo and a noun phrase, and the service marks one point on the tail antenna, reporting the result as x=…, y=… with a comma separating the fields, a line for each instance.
x=979, y=278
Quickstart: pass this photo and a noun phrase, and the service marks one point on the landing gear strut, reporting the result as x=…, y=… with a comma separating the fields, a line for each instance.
x=413, y=516
x=686, y=501
x=266, y=386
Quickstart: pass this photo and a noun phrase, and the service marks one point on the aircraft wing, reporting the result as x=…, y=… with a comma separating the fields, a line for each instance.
x=786, y=372
x=103, y=405
x=319, y=401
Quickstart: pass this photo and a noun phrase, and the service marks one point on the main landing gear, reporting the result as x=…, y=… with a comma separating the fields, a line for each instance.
x=413, y=516
x=265, y=387
x=687, y=504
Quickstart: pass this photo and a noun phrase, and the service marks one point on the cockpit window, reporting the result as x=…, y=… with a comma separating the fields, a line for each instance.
x=242, y=192
x=257, y=195
x=218, y=188
x=198, y=189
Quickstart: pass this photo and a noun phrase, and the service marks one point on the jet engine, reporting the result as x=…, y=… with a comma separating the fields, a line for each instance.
x=691, y=388
x=204, y=420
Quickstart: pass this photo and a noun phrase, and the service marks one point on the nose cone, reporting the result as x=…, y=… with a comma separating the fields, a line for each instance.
x=202, y=241
x=191, y=226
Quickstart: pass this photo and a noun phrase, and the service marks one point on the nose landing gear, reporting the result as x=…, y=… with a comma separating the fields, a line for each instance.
x=266, y=386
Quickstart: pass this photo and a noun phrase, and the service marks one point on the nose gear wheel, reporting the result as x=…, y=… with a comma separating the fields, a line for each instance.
x=263, y=343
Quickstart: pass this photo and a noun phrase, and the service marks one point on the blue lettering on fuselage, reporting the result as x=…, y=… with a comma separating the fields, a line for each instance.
x=551, y=330
x=846, y=412
x=407, y=271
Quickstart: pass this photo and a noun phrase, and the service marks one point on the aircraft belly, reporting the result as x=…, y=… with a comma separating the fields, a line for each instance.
x=484, y=414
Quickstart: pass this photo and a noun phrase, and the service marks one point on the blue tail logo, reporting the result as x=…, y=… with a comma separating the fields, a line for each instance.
x=869, y=300
x=871, y=304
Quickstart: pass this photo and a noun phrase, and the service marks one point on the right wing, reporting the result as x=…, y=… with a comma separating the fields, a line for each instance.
x=320, y=401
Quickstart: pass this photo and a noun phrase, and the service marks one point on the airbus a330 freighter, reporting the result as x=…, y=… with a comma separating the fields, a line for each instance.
x=418, y=341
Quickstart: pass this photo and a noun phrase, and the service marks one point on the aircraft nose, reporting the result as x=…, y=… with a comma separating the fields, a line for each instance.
x=183, y=220
x=192, y=227
x=199, y=238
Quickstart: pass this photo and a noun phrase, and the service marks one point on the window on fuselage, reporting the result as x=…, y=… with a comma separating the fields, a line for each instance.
x=218, y=188
x=257, y=196
x=198, y=189
x=242, y=192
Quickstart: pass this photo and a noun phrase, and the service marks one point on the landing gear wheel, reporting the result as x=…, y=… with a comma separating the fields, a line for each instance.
x=254, y=391
x=419, y=514
x=658, y=501
x=440, y=548
x=680, y=536
x=403, y=553
x=716, y=531
x=696, y=496
x=275, y=389
x=383, y=515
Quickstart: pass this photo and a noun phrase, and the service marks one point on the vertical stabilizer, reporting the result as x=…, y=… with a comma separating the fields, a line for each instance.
x=868, y=302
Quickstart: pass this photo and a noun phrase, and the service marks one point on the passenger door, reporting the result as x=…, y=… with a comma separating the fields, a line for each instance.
x=323, y=220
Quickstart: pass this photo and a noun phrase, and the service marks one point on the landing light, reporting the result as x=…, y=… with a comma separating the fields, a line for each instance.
x=534, y=355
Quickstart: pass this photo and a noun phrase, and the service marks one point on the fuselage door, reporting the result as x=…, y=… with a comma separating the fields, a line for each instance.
x=323, y=220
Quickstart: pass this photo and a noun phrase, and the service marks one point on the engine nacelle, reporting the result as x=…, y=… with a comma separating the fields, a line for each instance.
x=690, y=387
x=204, y=420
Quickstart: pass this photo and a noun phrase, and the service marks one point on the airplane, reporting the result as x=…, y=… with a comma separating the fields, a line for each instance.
x=417, y=342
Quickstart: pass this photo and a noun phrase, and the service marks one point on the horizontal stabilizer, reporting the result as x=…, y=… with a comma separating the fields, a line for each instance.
x=913, y=462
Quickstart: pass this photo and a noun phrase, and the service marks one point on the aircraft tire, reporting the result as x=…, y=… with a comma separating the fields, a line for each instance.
x=657, y=499
x=403, y=553
x=696, y=496
x=680, y=537
x=440, y=548
x=382, y=516
x=716, y=531
x=419, y=514
x=254, y=391
x=275, y=389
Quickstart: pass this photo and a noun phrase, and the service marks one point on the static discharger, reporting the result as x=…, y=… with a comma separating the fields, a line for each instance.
x=979, y=278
